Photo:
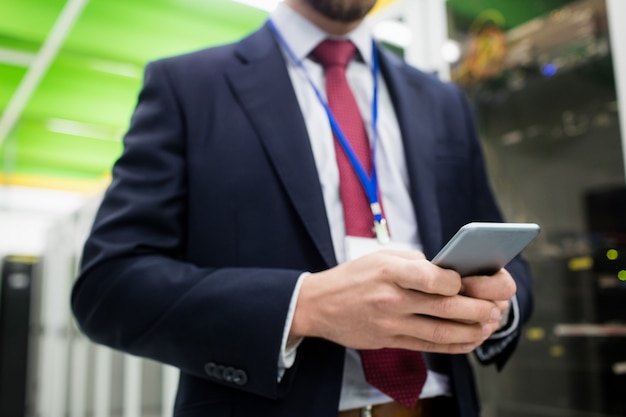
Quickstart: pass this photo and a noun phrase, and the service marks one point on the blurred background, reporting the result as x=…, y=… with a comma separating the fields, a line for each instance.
x=544, y=78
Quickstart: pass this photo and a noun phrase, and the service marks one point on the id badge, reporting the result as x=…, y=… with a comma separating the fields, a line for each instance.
x=357, y=247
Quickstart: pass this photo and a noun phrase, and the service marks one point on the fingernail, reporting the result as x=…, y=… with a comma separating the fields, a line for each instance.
x=486, y=330
x=495, y=314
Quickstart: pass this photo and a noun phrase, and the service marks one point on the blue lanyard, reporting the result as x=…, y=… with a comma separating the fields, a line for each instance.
x=369, y=184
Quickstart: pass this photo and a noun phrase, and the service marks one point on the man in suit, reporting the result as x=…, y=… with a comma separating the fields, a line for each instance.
x=222, y=245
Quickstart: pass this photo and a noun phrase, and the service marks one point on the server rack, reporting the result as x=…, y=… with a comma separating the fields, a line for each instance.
x=17, y=299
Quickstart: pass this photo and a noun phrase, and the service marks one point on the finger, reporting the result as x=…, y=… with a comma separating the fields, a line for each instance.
x=424, y=346
x=504, y=306
x=432, y=334
x=423, y=276
x=459, y=308
x=498, y=287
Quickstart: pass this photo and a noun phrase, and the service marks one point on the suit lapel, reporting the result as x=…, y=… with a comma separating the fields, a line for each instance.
x=264, y=89
x=413, y=110
x=263, y=86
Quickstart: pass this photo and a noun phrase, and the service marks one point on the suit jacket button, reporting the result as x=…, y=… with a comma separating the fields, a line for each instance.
x=228, y=374
x=214, y=370
x=209, y=368
x=240, y=377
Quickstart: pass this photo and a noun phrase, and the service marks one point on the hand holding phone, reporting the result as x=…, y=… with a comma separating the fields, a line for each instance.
x=483, y=248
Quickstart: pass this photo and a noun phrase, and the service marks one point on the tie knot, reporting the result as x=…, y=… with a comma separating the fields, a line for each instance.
x=330, y=53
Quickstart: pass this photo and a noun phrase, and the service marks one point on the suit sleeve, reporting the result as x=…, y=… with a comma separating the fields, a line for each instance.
x=137, y=293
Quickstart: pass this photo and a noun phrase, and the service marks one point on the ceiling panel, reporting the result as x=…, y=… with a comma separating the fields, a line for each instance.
x=10, y=77
x=73, y=121
x=139, y=30
x=40, y=151
x=28, y=20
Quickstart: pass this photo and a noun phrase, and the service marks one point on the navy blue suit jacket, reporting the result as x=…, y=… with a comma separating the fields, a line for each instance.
x=215, y=209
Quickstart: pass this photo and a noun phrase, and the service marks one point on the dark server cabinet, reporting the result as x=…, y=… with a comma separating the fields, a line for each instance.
x=606, y=221
x=16, y=299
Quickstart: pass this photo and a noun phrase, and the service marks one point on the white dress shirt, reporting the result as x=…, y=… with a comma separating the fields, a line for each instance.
x=302, y=37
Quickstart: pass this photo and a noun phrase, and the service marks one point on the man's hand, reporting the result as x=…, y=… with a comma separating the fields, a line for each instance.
x=499, y=288
x=398, y=299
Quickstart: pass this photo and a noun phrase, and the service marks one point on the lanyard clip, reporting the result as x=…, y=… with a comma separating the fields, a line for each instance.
x=381, y=231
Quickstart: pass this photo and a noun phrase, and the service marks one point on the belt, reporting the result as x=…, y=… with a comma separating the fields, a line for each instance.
x=392, y=409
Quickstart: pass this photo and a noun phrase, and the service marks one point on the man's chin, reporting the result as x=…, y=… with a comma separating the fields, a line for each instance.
x=345, y=11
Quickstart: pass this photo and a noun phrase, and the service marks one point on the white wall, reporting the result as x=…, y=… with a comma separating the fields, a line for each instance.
x=26, y=214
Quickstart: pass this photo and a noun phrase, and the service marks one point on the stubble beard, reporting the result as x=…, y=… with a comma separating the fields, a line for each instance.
x=346, y=11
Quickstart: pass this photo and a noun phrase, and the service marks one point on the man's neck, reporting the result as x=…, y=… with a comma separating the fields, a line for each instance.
x=332, y=27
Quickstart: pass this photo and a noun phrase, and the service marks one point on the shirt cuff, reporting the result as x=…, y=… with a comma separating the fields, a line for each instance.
x=510, y=321
x=288, y=352
x=501, y=341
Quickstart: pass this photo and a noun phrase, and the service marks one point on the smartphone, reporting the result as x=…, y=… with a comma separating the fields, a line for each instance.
x=483, y=248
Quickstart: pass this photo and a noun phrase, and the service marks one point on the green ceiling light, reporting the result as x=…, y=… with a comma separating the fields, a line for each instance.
x=123, y=69
x=74, y=128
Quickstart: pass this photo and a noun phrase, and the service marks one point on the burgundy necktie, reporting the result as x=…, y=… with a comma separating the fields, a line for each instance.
x=396, y=372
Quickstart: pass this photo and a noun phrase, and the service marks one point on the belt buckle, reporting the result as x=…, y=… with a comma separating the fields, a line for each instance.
x=366, y=411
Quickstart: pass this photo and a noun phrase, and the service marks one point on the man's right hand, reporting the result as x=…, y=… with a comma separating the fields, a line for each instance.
x=392, y=299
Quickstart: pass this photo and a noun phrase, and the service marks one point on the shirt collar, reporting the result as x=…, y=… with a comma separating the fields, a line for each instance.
x=303, y=36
